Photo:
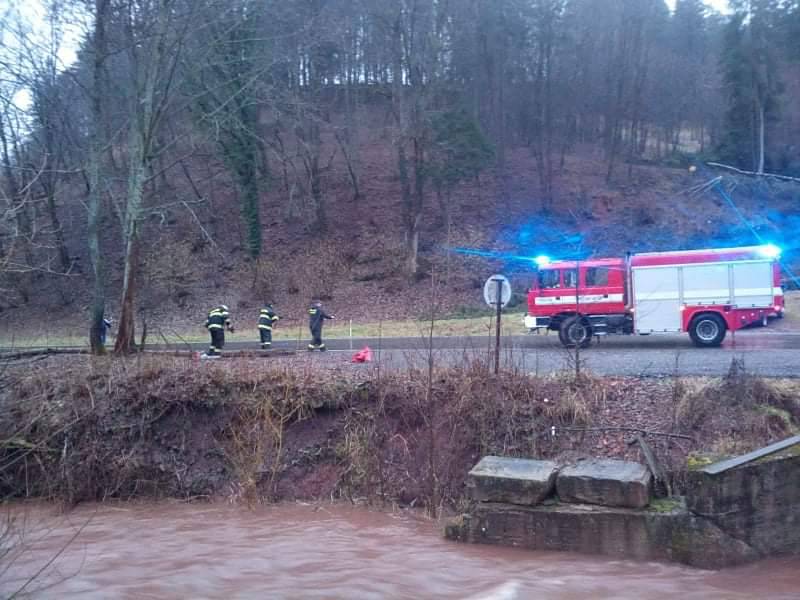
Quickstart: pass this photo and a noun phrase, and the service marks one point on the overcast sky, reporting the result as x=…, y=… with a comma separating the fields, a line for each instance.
x=720, y=5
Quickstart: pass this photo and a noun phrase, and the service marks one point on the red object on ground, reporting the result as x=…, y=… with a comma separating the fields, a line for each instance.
x=362, y=356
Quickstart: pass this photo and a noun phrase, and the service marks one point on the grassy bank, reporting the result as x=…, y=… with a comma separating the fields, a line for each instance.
x=82, y=429
x=472, y=323
x=286, y=331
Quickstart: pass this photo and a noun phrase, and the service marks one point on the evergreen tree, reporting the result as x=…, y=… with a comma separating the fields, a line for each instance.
x=752, y=86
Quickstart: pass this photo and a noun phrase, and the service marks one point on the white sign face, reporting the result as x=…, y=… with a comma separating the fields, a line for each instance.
x=490, y=289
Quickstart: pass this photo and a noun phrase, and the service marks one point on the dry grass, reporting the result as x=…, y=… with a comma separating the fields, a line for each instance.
x=791, y=320
x=750, y=409
x=456, y=327
x=293, y=330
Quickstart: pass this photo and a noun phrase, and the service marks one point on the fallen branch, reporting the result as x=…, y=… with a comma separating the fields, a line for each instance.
x=9, y=356
x=41, y=352
x=629, y=429
x=229, y=354
x=753, y=173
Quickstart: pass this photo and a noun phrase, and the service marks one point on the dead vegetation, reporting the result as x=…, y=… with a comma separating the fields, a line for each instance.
x=738, y=409
x=76, y=429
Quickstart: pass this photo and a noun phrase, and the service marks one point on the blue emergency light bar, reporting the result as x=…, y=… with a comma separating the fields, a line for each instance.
x=770, y=251
x=542, y=261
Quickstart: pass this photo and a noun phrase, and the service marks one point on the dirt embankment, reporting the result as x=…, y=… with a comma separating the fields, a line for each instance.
x=78, y=429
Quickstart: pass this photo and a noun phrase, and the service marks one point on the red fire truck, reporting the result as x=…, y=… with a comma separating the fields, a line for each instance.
x=703, y=292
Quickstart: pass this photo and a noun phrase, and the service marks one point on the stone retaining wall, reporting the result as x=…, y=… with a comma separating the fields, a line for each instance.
x=734, y=512
x=757, y=503
x=675, y=535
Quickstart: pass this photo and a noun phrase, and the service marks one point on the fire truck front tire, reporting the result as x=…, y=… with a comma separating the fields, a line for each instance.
x=575, y=331
x=707, y=330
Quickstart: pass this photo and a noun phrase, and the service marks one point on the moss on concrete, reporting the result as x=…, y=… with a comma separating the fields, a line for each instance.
x=666, y=505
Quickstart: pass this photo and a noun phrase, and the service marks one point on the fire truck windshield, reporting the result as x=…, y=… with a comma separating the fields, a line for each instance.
x=549, y=279
x=570, y=278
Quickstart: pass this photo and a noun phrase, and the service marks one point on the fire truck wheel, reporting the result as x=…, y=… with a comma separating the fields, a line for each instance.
x=707, y=330
x=575, y=331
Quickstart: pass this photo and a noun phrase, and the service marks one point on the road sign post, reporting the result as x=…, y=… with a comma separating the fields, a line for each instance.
x=497, y=293
x=497, y=333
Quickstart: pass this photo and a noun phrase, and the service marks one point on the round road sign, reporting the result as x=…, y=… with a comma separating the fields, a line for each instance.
x=490, y=289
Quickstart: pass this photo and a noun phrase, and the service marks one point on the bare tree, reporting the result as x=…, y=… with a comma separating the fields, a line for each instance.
x=154, y=46
x=101, y=15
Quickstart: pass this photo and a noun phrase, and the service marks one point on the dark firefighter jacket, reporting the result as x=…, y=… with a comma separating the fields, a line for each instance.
x=315, y=317
x=267, y=319
x=218, y=319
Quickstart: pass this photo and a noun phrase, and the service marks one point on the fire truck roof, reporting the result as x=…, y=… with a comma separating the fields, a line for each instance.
x=763, y=252
x=673, y=257
x=589, y=262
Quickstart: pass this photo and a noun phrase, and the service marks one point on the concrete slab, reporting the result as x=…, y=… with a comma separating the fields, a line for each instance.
x=669, y=533
x=738, y=461
x=605, y=482
x=512, y=480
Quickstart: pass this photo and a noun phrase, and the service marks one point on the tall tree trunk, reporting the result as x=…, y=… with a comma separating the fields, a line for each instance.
x=414, y=214
x=96, y=154
x=321, y=216
x=250, y=200
x=126, y=340
x=349, y=142
x=19, y=203
x=761, y=127
x=410, y=223
x=50, y=192
x=140, y=140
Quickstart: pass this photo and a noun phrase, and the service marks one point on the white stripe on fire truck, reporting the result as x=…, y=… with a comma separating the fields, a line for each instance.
x=719, y=293
x=587, y=299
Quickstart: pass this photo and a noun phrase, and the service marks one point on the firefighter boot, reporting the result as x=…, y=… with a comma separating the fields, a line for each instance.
x=266, y=338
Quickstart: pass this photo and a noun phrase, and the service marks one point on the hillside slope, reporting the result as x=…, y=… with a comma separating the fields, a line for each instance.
x=356, y=266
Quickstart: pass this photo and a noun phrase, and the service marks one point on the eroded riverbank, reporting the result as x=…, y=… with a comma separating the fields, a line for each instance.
x=90, y=430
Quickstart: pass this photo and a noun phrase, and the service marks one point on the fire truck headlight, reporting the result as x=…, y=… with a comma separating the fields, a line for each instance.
x=770, y=251
x=542, y=260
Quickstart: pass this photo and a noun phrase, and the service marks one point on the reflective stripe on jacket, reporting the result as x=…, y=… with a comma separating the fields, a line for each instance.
x=267, y=318
x=218, y=319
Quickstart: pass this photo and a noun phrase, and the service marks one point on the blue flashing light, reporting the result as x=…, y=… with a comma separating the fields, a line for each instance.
x=542, y=260
x=770, y=251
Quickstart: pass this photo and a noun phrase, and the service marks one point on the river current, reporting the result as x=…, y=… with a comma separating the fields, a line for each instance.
x=290, y=551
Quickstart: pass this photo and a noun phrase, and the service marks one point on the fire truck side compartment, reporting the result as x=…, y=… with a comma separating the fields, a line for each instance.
x=666, y=298
x=656, y=299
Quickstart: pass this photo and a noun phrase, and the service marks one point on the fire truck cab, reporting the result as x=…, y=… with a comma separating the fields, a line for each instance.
x=703, y=292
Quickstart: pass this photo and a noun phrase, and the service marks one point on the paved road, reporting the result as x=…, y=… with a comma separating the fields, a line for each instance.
x=766, y=354
x=764, y=351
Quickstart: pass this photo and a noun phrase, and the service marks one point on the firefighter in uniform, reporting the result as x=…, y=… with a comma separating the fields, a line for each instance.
x=316, y=316
x=267, y=319
x=104, y=330
x=218, y=320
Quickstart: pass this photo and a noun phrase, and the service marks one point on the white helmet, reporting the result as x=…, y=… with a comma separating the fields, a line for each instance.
x=223, y=307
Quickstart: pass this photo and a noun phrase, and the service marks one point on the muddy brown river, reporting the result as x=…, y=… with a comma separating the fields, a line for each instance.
x=298, y=551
